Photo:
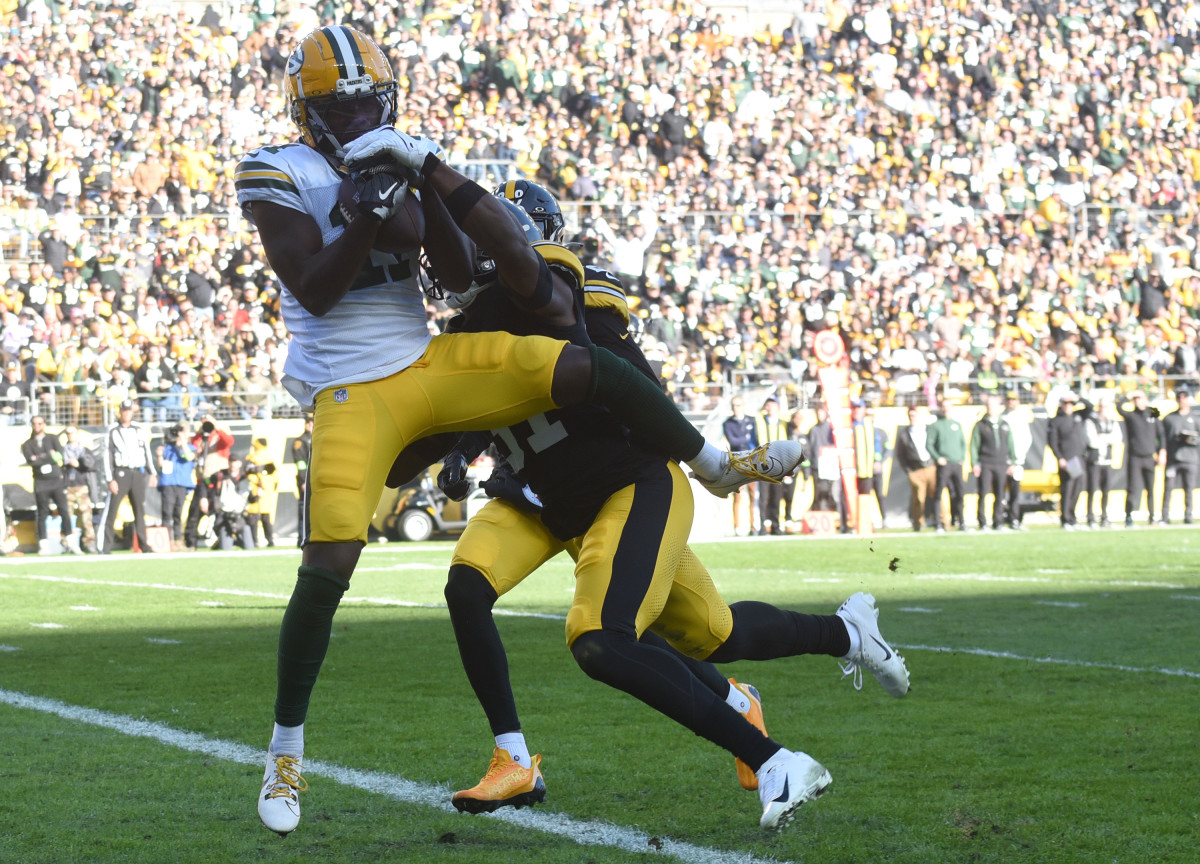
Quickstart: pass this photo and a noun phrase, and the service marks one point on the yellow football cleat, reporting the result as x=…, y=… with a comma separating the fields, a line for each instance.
x=746, y=775
x=506, y=784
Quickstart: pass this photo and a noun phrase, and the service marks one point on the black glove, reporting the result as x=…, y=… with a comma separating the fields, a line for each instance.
x=452, y=479
x=505, y=485
x=380, y=195
x=1154, y=412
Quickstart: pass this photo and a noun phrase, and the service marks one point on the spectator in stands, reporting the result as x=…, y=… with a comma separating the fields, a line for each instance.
x=153, y=380
x=184, y=399
x=967, y=228
x=14, y=395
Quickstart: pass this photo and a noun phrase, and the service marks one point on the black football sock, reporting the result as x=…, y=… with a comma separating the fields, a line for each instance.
x=660, y=680
x=304, y=639
x=765, y=632
x=642, y=406
x=470, y=597
x=705, y=671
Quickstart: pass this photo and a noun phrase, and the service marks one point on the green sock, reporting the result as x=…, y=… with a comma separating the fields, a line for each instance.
x=304, y=639
x=641, y=405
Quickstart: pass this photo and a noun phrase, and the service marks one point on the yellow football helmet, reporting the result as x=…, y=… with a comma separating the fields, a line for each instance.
x=339, y=85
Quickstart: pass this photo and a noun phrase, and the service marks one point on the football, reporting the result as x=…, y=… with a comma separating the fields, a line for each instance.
x=403, y=232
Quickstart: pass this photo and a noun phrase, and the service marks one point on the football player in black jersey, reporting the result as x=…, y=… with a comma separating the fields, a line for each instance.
x=624, y=514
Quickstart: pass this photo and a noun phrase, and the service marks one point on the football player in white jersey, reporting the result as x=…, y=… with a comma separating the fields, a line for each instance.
x=363, y=360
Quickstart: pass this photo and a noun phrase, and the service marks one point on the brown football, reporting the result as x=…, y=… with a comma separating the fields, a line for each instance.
x=403, y=232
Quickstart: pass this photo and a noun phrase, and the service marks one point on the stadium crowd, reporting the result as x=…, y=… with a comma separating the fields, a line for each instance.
x=972, y=194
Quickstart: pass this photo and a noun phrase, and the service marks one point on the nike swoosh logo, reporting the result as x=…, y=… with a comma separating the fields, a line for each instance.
x=624, y=335
x=783, y=796
x=884, y=647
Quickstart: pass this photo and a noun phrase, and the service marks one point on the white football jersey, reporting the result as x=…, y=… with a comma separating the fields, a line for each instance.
x=379, y=327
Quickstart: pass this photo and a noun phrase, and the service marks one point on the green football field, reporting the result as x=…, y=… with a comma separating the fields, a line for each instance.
x=1054, y=713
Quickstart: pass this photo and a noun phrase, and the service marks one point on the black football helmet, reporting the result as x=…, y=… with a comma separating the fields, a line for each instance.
x=541, y=206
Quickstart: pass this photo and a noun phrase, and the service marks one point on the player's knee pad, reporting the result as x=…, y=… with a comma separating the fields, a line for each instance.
x=467, y=588
x=600, y=655
x=340, y=517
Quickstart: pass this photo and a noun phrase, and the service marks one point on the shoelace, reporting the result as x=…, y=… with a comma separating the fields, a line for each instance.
x=851, y=667
x=287, y=770
x=494, y=767
x=744, y=464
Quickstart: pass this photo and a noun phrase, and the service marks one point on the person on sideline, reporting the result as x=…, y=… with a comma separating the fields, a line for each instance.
x=128, y=467
x=912, y=455
x=43, y=453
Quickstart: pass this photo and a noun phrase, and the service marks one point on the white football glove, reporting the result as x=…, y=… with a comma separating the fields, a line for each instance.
x=380, y=195
x=388, y=148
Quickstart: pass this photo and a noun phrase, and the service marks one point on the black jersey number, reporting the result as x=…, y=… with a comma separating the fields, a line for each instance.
x=542, y=436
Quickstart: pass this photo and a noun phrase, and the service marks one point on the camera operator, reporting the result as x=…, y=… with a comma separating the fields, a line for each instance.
x=1182, y=432
x=177, y=478
x=229, y=522
x=264, y=491
x=212, y=444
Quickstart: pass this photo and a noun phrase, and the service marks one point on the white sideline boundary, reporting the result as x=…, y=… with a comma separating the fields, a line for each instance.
x=584, y=833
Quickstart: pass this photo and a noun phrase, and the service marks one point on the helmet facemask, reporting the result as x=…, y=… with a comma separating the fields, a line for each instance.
x=335, y=122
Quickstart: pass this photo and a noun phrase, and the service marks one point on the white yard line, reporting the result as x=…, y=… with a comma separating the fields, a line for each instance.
x=238, y=592
x=387, y=601
x=1057, y=661
x=584, y=833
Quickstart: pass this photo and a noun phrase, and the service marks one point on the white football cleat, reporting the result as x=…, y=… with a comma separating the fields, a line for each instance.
x=279, y=800
x=785, y=782
x=884, y=662
x=769, y=462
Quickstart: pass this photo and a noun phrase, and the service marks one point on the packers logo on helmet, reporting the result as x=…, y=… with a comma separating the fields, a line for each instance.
x=339, y=85
x=539, y=204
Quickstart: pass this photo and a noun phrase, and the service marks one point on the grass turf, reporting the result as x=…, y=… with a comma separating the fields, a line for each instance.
x=1052, y=717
